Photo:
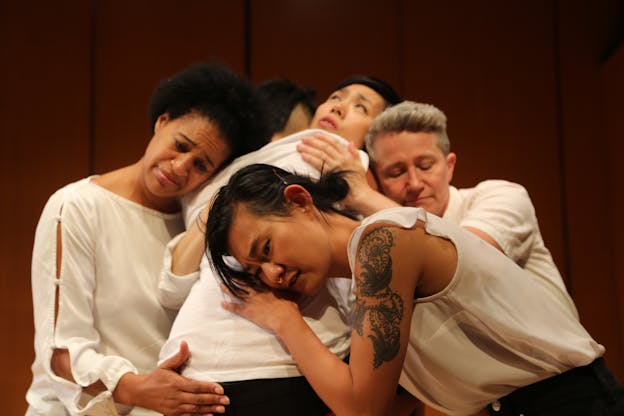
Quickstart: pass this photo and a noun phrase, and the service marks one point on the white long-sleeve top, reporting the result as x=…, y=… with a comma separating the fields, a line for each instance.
x=108, y=316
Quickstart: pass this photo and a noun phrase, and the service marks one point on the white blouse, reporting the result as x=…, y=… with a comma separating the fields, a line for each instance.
x=108, y=317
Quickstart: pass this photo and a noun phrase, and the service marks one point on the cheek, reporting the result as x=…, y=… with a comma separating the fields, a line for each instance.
x=361, y=124
x=195, y=180
x=439, y=181
x=390, y=187
x=355, y=132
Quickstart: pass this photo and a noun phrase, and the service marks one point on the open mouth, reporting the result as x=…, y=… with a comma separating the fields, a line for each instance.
x=328, y=123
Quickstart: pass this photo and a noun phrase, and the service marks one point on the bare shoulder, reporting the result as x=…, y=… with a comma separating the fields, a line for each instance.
x=388, y=251
x=419, y=262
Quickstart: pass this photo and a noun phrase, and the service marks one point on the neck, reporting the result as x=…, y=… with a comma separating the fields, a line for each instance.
x=128, y=182
x=340, y=229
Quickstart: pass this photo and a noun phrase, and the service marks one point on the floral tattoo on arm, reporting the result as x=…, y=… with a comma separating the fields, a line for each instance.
x=377, y=301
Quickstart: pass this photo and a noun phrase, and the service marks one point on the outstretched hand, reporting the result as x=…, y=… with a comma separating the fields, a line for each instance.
x=166, y=391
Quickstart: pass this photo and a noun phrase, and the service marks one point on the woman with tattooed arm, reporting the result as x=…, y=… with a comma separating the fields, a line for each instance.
x=456, y=322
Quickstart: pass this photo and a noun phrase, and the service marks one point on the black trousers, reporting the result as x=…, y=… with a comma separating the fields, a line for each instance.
x=590, y=390
x=291, y=396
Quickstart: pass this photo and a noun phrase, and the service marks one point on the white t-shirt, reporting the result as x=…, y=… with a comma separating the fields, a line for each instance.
x=493, y=329
x=109, y=316
x=504, y=211
x=225, y=346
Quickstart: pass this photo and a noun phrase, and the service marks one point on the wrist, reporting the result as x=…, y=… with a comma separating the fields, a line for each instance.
x=127, y=388
x=290, y=321
x=361, y=200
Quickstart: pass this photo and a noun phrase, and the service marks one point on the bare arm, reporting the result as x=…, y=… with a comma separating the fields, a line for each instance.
x=187, y=254
x=502, y=214
x=484, y=236
x=367, y=385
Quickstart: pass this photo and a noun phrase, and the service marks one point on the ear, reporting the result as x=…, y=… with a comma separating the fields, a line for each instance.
x=299, y=197
x=161, y=121
x=451, y=159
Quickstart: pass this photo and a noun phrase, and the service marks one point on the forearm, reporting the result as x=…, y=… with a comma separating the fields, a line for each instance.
x=485, y=237
x=187, y=254
x=60, y=365
x=366, y=201
x=327, y=374
x=126, y=390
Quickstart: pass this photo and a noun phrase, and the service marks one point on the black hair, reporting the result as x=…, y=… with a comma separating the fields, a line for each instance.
x=260, y=188
x=381, y=87
x=280, y=96
x=222, y=96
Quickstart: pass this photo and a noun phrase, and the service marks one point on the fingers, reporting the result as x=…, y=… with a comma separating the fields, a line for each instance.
x=321, y=146
x=194, y=410
x=236, y=308
x=353, y=150
x=199, y=404
x=184, y=349
x=204, y=399
x=177, y=360
x=325, y=153
x=200, y=398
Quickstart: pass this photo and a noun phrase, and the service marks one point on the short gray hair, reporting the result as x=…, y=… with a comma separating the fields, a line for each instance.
x=412, y=117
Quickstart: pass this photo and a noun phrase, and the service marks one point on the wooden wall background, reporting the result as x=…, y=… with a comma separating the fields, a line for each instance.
x=533, y=91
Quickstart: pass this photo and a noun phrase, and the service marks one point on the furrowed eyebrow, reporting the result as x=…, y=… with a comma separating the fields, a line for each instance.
x=253, y=249
x=206, y=157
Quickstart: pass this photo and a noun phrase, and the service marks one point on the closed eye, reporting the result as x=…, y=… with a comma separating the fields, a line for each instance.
x=200, y=166
x=180, y=146
x=395, y=173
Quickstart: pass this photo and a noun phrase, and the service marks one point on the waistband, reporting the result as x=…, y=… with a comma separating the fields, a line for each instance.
x=273, y=396
x=581, y=383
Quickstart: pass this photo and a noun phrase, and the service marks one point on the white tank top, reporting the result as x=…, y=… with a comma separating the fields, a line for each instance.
x=491, y=330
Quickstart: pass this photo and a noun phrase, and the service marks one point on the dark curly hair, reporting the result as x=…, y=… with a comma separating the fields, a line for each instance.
x=222, y=96
x=260, y=188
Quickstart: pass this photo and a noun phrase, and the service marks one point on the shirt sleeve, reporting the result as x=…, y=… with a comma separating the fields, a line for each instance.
x=505, y=212
x=63, y=299
x=173, y=289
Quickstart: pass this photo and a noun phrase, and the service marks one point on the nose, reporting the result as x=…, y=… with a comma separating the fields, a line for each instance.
x=414, y=182
x=274, y=274
x=338, y=108
x=181, y=164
